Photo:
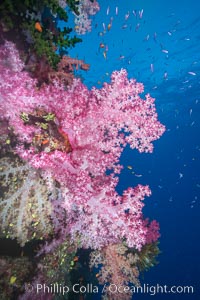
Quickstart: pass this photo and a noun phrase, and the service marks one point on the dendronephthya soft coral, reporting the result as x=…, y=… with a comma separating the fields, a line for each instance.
x=74, y=136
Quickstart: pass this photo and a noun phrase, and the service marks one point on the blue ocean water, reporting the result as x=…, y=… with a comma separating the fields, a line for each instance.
x=162, y=50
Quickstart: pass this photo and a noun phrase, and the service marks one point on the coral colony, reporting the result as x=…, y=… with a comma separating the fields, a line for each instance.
x=60, y=159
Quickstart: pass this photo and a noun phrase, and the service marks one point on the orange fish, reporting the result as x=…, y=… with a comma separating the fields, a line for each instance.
x=38, y=27
x=45, y=142
x=109, y=26
x=75, y=258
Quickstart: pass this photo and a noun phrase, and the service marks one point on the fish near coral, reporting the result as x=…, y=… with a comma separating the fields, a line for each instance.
x=38, y=27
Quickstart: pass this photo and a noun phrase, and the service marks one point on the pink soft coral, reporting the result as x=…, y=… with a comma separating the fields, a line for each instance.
x=98, y=124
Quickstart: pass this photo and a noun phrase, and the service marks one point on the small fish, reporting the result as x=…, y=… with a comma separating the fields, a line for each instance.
x=147, y=37
x=127, y=15
x=141, y=13
x=109, y=26
x=108, y=10
x=152, y=68
x=137, y=27
x=38, y=27
x=129, y=167
x=165, y=51
x=165, y=75
x=104, y=26
x=124, y=26
x=135, y=13
x=138, y=175
x=169, y=33
x=102, y=45
x=180, y=175
x=116, y=10
x=45, y=142
x=192, y=73
x=105, y=54
x=76, y=258
x=13, y=279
